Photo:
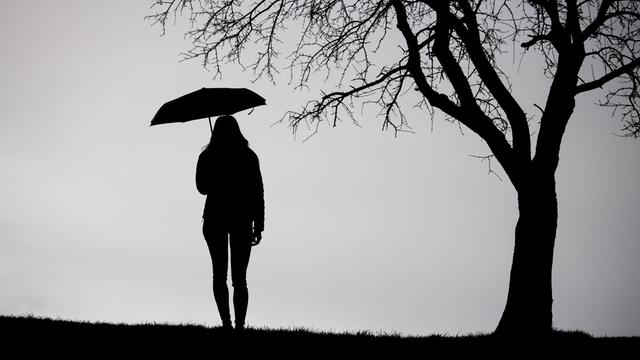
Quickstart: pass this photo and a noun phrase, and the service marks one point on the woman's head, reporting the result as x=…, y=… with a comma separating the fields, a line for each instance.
x=227, y=134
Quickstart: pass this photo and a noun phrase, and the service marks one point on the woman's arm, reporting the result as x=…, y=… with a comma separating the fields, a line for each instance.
x=259, y=196
x=202, y=173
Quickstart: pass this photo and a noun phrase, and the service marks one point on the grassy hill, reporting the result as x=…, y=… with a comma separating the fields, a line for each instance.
x=34, y=335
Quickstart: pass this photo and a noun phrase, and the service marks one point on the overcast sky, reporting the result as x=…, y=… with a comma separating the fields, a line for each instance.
x=100, y=219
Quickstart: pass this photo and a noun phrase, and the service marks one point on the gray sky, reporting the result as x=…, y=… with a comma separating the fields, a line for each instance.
x=100, y=217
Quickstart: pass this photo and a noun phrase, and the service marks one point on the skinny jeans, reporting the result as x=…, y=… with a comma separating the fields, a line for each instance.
x=222, y=236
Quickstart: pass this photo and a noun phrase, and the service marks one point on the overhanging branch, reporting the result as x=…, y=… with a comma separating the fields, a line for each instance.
x=608, y=77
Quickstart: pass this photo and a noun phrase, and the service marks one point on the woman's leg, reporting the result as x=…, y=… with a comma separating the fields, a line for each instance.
x=240, y=240
x=217, y=241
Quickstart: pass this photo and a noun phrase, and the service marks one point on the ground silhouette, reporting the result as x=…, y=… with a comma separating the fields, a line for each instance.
x=34, y=335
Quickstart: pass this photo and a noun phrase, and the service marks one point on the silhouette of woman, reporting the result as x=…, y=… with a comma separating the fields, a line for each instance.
x=228, y=172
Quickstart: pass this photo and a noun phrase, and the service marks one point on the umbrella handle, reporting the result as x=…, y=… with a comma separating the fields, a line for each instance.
x=210, y=127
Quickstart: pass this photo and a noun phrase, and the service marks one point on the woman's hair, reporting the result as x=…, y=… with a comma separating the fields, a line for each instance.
x=226, y=134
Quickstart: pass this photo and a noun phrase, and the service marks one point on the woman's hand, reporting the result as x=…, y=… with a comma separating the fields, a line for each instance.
x=256, y=237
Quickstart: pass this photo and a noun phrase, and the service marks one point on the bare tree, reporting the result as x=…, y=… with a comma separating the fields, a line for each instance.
x=448, y=55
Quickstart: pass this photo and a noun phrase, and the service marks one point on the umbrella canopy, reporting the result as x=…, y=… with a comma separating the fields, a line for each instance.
x=207, y=102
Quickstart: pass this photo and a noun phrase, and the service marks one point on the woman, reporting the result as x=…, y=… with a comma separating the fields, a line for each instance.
x=228, y=172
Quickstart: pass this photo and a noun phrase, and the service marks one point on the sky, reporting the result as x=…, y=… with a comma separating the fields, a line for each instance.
x=100, y=219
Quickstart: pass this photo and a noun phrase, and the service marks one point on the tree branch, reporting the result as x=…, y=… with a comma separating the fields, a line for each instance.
x=469, y=113
x=608, y=77
x=535, y=39
x=435, y=98
x=600, y=19
x=515, y=115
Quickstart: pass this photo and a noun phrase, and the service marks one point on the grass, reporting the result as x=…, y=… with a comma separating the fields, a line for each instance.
x=36, y=335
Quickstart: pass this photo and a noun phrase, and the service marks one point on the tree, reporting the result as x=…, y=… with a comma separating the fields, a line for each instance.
x=449, y=54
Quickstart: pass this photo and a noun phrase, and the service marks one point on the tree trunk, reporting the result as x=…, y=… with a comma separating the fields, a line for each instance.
x=529, y=301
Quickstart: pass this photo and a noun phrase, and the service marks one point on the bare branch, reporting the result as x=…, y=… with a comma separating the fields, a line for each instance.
x=449, y=56
x=600, y=82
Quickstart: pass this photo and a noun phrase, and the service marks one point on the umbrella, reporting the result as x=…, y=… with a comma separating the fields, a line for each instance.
x=207, y=102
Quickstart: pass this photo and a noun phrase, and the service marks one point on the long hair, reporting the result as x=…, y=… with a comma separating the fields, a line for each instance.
x=226, y=135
